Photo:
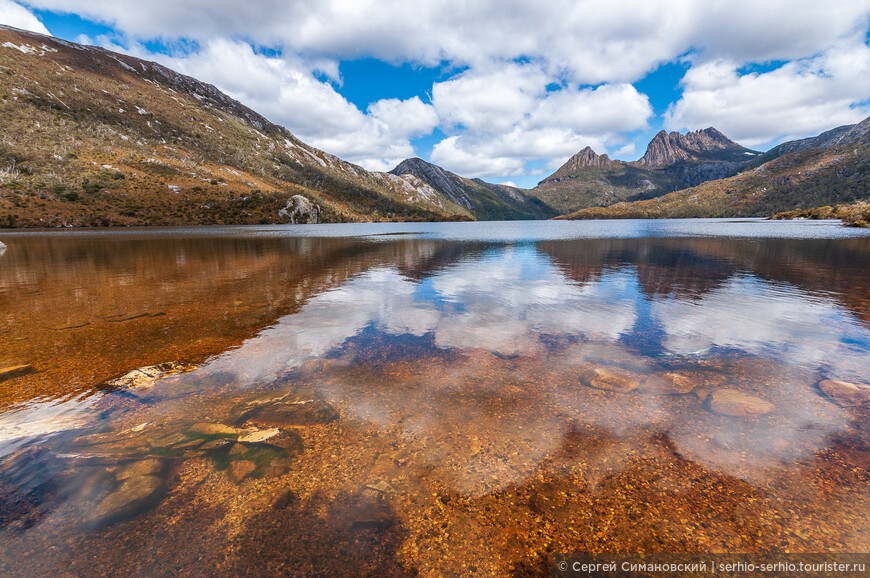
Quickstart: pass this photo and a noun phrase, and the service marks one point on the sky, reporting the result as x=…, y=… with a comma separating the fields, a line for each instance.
x=505, y=90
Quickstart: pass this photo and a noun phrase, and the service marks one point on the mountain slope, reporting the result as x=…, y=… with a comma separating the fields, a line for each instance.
x=91, y=137
x=836, y=173
x=485, y=201
x=672, y=161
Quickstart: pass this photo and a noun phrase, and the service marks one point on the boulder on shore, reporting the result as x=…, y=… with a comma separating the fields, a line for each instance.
x=300, y=209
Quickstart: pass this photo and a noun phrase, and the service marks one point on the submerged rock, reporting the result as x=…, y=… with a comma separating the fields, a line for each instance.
x=846, y=393
x=611, y=379
x=211, y=429
x=732, y=402
x=283, y=498
x=259, y=435
x=381, y=486
x=241, y=469
x=288, y=414
x=15, y=371
x=370, y=512
x=145, y=377
x=668, y=384
x=150, y=467
x=133, y=496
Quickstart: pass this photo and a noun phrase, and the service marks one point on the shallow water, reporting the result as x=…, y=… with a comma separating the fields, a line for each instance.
x=420, y=398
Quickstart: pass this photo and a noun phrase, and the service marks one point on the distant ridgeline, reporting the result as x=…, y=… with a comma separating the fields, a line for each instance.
x=830, y=169
x=96, y=138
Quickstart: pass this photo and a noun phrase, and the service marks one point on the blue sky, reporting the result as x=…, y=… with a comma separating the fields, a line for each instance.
x=504, y=90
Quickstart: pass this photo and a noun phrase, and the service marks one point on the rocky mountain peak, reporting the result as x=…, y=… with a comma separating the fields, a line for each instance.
x=586, y=158
x=701, y=145
x=448, y=183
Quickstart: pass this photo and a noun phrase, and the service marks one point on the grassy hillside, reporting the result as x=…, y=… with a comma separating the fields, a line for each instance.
x=94, y=138
x=605, y=185
x=854, y=215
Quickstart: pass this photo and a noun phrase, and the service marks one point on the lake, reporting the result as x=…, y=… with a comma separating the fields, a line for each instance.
x=435, y=399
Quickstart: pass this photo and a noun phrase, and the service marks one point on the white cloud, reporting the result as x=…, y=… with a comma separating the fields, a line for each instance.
x=766, y=323
x=801, y=97
x=506, y=117
x=595, y=41
x=498, y=114
x=17, y=16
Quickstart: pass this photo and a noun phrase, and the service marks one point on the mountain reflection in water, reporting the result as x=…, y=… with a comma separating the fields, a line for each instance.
x=431, y=399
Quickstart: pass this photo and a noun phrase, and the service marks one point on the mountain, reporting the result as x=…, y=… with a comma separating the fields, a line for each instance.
x=672, y=161
x=485, y=201
x=840, y=135
x=94, y=138
x=830, y=169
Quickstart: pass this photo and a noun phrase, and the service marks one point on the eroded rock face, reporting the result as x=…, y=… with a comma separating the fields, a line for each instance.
x=299, y=210
x=611, y=379
x=846, y=393
x=672, y=148
x=732, y=402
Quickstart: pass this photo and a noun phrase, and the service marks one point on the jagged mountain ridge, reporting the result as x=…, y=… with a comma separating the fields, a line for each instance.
x=706, y=145
x=92, y=137
x=829, y=169
x=672, y=161
x=484, y=200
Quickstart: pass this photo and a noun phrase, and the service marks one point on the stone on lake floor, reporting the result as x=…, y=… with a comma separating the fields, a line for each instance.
x=146, y=377
x=732, y=402
x=238, y=450
x=370, y=512
x=130, y=498
x=215, y=444
x=259, y=435
x=845, y=393
x=283, y=498
x=15, y=371
x=168, y=440
x=288, y=414
x=239, y=470
x=149, y=467
x=611, y=379
x=211, y=429
x=669, y=383
x=381, y=486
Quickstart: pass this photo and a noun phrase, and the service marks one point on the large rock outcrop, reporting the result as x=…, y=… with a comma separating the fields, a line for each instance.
x=300, y=210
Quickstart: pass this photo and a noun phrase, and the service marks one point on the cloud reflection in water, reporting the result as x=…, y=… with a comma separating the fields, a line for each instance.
x=508, y=302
